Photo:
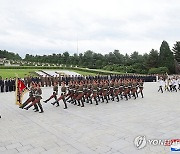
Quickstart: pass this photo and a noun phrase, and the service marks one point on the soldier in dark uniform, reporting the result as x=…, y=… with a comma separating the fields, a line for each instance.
x=2, y=85
x=49, y=81
x=63, y=95
x=56, y=79
x=26, y=81
x=14, y=84
x=52, y=80
x=29, y=80
x=6, y=83
x=42, y=81
x=46, y=80
x=37, y=100
x=10, y=84
x=55, y=93
x=59, y=80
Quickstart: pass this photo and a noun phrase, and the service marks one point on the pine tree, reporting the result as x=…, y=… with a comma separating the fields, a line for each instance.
x=166, y=57
x=176, y=51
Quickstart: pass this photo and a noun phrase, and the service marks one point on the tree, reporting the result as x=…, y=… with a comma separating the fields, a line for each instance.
x=176, y=51
x=166, y=58
x=152, y=61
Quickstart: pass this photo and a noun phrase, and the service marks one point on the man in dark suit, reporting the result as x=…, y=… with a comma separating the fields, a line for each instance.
x=6, y=83
x=2, y=85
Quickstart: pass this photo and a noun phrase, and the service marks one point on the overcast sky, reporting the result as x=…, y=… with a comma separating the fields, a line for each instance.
x=53, y=26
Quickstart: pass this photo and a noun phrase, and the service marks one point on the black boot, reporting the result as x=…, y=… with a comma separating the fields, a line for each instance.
x=37, y=110
x=106, y=100
x=90, y=100
x=28, y=107
x=23, y=105
x=102, y=99
x=57, y=104
x=82, y=103
x=53, y=103
x=65, y=104
x=75, y=103
x=78, y=103
x=40, y=106
x=96, y=101
x=45, y=101
x=117, y=98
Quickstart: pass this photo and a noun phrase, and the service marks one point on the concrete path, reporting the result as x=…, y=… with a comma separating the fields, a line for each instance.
x=104, y=129
x=66, y=72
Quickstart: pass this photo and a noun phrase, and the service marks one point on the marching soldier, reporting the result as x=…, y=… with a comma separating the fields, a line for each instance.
x=54, y=95
x=88, y=93
x=31, y=97
x=46, y=80
x=141, y=88
x=105, y=91
x=80, y=95
x=111, y=90
x=134, y=84
x=116, y=90
x=42, y=80
x=63, y=95
x=94, y=90
x=37, y=100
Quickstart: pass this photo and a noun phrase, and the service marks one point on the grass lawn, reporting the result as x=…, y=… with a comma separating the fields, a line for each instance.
x=7, y=73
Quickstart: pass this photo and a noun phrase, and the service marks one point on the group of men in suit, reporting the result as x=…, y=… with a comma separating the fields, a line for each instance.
x=7, y=85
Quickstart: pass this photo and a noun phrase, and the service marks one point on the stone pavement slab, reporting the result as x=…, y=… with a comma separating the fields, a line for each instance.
x=107, y=128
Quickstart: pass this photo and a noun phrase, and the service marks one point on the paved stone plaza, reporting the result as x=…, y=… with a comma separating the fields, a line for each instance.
x=106, y=128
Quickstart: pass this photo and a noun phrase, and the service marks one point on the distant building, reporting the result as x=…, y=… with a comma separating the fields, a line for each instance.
x=2, y=61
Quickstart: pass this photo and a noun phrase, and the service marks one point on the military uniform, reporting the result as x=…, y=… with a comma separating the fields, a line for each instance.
x=63, y=95
x=54, y=95
x=38, y=97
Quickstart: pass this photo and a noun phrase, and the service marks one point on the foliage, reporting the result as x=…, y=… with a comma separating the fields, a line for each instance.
x=113, y=61
x=159, y=70
x=166, y=58
x=176, y=51
x=9, y=55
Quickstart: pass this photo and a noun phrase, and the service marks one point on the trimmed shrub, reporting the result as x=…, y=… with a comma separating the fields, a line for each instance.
x=159, y=70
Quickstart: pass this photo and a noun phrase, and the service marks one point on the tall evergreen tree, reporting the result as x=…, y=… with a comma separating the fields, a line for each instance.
x=166, y=57
x=176, y=51
x=153, y=58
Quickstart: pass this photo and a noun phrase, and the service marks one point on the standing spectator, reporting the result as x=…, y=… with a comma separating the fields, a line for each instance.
x=6, y=85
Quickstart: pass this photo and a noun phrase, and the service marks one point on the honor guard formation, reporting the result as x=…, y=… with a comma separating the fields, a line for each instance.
x=81, y=91
x=169, y=84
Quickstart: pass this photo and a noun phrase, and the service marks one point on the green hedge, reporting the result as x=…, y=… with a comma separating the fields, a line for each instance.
x=159, y=70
